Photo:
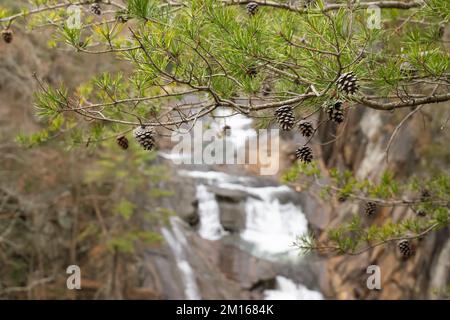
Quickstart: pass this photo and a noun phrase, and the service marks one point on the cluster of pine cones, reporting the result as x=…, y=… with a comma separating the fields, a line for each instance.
x=144, y=135
x=286, y=120
x=347, y=83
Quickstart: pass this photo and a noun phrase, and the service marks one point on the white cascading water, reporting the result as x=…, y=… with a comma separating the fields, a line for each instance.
x=178, y=244
x=271, y=226
x=208, y=210
x=288, y=290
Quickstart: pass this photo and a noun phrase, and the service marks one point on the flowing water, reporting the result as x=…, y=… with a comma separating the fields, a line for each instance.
x=179, y=246
x=208, y=209
x=288, y=290
x=271, y=225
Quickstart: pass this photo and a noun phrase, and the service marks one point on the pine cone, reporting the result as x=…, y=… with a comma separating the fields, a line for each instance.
x=7, y=35
x=122, y=141
x=348, y=83
x=251, y=72
x=145, y=137
x=421, y=213
x=267, y=89
x=306, y=128
x=425, y=195
x=342, y=197
x=404, y=246
x=371, y=208
x=304, y=154
x=96, y=9
x=252, y=8
x=285, y=117
x=122, y=18
x=335, y=112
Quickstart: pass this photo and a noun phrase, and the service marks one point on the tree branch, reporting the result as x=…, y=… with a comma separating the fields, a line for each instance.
x=53, y=7
x=402, y=104
x=329, y=7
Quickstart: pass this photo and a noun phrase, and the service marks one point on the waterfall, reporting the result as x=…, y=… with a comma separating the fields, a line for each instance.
x=288, y=290
x=240, y=128
x=271, y=225
x=208, y=209
x=178, y=244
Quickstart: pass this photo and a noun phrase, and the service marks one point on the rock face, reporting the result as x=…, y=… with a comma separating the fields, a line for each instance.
x=361, y=149
x=222, y=269
x=183, y=201
x=214, y=273
x=232, y=208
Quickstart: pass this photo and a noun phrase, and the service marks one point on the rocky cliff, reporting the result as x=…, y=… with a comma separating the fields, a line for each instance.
x=362, y=149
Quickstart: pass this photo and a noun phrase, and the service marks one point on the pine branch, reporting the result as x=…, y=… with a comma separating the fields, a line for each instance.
x=57, y=6
x=308, y=246
x=403, y=104
x=329, y=7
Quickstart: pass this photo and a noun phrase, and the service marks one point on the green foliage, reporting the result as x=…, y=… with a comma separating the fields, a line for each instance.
x=125, y=208
x=437, y=9
x=124, y=176
x=353, y=236
x=300, y=168
x=125, y=242
x=39, y=138
x=219, y=53
x=50, y=101
x=306, y=243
